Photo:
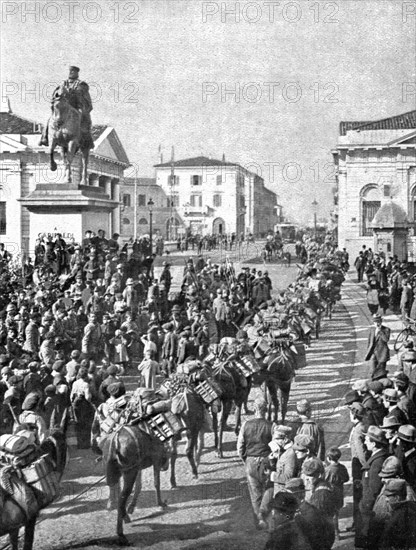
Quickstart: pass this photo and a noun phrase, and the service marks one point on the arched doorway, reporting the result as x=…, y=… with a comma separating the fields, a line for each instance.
x=370, y=203
x=172, y=229
x=218, y=226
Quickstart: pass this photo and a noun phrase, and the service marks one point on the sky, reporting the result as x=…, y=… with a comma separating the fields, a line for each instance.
x=264, y=83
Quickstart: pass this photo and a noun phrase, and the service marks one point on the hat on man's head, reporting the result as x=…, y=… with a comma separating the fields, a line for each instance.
x=303, y=406
x=76, y=69
x=377, y=317
x=302, y=442
x=392, y=467
x=360, y=385
x=375, y=385
x=116, y=389
x=396, y=488
x=374, y=433
x=390, y=422
x=313, y=467
x=391, y=395
x=282, y=431
x=285, y=502
x=112, y=370
x=357, y=409
x=407, y=432
x=129, y=281
x=75, y=354
x=352, y=396
x=31, y=401
x=176, y=308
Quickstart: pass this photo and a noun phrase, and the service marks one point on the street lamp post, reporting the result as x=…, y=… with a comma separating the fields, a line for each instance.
x=315, y=205
x=150, y=205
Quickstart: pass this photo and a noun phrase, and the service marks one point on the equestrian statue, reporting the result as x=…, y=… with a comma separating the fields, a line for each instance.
x=69, y=125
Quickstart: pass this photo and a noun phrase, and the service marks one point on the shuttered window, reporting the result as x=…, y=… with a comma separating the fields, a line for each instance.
x=369, y=211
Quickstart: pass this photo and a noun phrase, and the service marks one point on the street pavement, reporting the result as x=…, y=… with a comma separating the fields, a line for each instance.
x=214, y=511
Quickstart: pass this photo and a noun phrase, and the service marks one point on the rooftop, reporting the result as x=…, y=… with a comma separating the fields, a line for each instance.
x=196, y=161
x=405, y=121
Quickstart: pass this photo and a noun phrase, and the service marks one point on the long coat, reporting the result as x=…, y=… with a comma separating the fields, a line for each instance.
x=377, y=346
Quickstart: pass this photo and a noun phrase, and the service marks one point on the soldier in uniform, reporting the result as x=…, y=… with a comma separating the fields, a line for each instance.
x=80, y=99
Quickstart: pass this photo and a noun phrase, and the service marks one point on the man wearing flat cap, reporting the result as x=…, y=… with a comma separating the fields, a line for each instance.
x=287, y=534
x=80, y=99
x=407, y=437
x=377, y=444
x=32, y=418
x=378, y=352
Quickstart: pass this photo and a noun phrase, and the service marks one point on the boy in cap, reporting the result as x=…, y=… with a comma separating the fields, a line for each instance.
x=319, y=492
x=253, y=449
x=336, y=474
x=307, y=426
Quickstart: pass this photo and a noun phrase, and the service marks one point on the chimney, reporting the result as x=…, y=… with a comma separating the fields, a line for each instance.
x=223, y=157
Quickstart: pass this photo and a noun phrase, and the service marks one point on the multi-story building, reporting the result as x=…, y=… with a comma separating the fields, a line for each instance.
x=34, y=200
x=216, y=197
x=375, y=164
x=135, y=216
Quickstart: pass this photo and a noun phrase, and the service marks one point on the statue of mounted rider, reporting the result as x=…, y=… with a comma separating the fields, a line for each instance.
x=69, y=125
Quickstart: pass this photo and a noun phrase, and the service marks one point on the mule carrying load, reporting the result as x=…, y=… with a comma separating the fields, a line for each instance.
x=144, y=409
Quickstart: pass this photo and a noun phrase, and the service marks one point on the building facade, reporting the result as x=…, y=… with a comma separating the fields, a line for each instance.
x=135, y=217
x=210, y=196
x=35, y=200
x=375, y=163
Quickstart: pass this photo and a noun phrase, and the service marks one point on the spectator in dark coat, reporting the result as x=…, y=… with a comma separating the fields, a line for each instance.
x=287, y=533
x=407, y=437
x=400, y=529
x=377, y=346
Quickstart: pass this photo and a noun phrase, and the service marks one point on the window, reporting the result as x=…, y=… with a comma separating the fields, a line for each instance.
x=196, y=180
x=142, y=200
x=2, y=218
x=196, y=200
x=370, y=203
x=217, y=199
x=369, y=211
x=173, y=180
x=172, y=201
x=126, y=221
x=219, y=180
x=387, y=190
x=142, y=221
x=126, y=199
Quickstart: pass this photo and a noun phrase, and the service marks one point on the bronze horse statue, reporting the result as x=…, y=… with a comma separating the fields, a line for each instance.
x=65, y=129
x=12, y=515
x=126, y=453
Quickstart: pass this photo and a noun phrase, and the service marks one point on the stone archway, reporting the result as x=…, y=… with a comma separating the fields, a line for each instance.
x=218, y=226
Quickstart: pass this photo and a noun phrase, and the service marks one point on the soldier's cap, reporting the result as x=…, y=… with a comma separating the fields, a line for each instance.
x=260, y=404
x=395, y=487
x=116, y=389
x=241, y=335
x=392, y=467
x=351, y=397
x=375, y=385
x=50, y=390
x=302, y=442
x=374, y=433
x=176, y=308
x=5, y=370
x=129, y=281
x=58, y=365
x=360, y=385
x=357, y=409
x=390, y=422
x=167, y=326
x=285, y=502
x=77, y=69
x=31, y=401
x=391, y=395
x=75, y=354
x=313, y=467
x=401, y=380
x=303, y=406
x=295, y=485
x=407, y=432
x=282, y=431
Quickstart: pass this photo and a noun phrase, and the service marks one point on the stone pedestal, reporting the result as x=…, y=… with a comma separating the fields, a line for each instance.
x=59, y=208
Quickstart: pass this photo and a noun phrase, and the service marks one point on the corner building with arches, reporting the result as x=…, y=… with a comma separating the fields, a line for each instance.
x=375, y=165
